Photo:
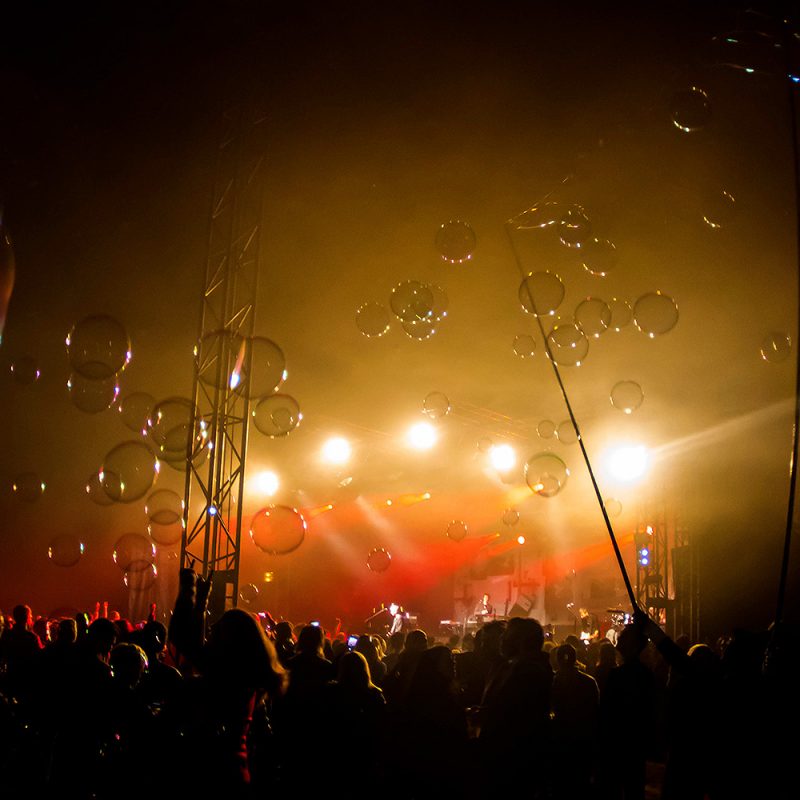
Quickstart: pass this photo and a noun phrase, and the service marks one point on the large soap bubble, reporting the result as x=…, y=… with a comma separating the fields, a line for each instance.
x=776, y=347
x=421, y=330
x=170, y=425
x=627, y=396
x=277, y=415
x=690, y=109
x=565, y=432
x=248, y=593
x=621, y=314
x=541, y=293
x=98, y=347
x=524, y=346
x=379, y=560
x=436, y=405
x=95, y=491
x=65, y=550
x=164, y=507
x=613, y=507
x=574, y=228
x=128, y=471
x=719, y=209
x=140, y=580
x=546, y=474
x=655, y=313
x=216, y=355
x=750, y=51
x=539, y=217
x=599, y=257
x=510, y=517
x=455, y=241
x=412, y=301
x=267, y=365
x=166, y=535
x=133, y=552
x=278, y=530
x=92, y=397
x=135, y=410
x=546, y=429
x=441, y=302
x=28, y=487
x=457, y=530
x=593, y=316
x=568, y=344
x=25, y=370
x=372, y=319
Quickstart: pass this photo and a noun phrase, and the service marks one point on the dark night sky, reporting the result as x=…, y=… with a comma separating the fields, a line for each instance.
x=382, y=123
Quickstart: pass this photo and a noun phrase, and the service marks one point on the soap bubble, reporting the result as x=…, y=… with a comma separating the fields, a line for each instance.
x=166, y=535
x=98, y=347
x=541, y=293
x=621, y=314
x=92, y=397
x=277, y=415
x=749, y=51
x=25, y=370
x=133, y=552
x=379, y=560
x=613, y=507
x=539, y=217
x=7, y=274
x=411, y=301
x=140, y=580
x=436, y=405
x=28, y=487
x=565, y=432
x=267, y=365
x=776, y=347
x=484, y=444
x=65, y=550
x=372, y=319
x=170, y=425
x=457, y=530
x=691, y=109
x=524, y=346
x=163, y=507
x=216, y=355
x=655, y=313
x=546, y=474
x=95, y=491
x=599, y=257
x=510, y=517
x=278, y=530
x=574, y=228
x=593, y=316
x=720, y=209
x=420, y=330
x=128, y=471
x=455, y=241
x=568, y=344
x=248, y=593
x=546, y=429
x=441, y=302
x=627, y=396
x=135, y=410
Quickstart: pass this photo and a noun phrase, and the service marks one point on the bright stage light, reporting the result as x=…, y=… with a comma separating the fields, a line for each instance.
x=266, y=483
x=336, y=450
x=520, y=540
x=422, y=436
x=502, y=457
x=628, y=463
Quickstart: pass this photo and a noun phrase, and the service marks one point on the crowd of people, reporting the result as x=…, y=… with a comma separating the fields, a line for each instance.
x=92, y=707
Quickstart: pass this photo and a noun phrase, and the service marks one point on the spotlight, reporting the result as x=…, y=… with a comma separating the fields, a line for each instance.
x=628, y=462
x=336, y=450
x=422, y=436
x=520, y=540
x=266, y=483
x=502, y=457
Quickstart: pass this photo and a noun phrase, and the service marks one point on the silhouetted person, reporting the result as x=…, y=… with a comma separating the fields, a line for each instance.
x=19, y=650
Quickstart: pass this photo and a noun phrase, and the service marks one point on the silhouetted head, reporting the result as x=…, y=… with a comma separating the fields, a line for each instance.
x=705, y=659
x=101, y=636
x=283, y=632
x=22, y=616
x=353, y=672
x=396, y=642
x=310, y=640
x=367, y=648
x=631, y=642
x=416, y=641
x=153, y=638
x=607, y=655
x=67, y=631
x=522, y=637
x=128, y=664
x=491, y=634
x=566, y=656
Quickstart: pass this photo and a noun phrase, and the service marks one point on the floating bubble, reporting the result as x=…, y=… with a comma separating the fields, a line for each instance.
x=510, y=517
x=28, y=487
x=621, y=314
x=720, y=209
x=216, y=355
x=749, y=51
x=372, y=319
x=776, y=347
x=599, y=257
x=524, y=346
x=574, y=229
x=546, y=474
x=691, y=109
x=441, y=302
x=568, y=344
x=92, y=397
x=163, y=507
x=98, y=347
x=613, y=507
x=655, y=313
x=455, y=241
x=248, y=593
x=436, y=405
x=412, y=301
x=128, y=471
x=277, y=415
x=166, y=535
x=539, y=217
x=95, y=491
x=266, y=364
x=593, y=316
x=565, y=432
x=133, y=552
x=140, y=580
x=278, y=530
x=541, y=293
x=484, y=444
x=546, y=429
x=457, y=530
x=25, y=370
x=379, y=560
x=627, y=396
x=170, y=425
x=65, y=550
x=420, y=330
x=7, y=274
x=135, y=410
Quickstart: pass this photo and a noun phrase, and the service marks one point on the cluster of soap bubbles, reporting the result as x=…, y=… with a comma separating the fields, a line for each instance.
x=420, y=308
x=99, y=349
x=278, y=530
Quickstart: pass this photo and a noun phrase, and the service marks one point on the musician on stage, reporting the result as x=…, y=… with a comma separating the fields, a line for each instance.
x=484, y=609
x=590, y=631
